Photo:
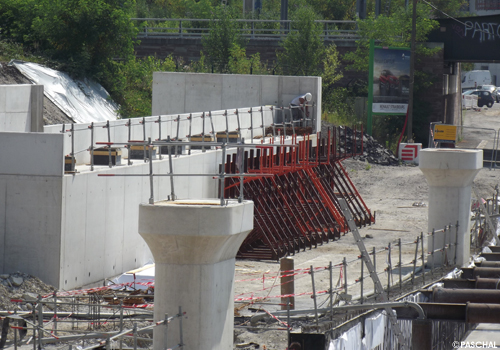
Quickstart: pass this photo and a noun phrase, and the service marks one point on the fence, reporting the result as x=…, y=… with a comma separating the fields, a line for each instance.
x=48, y=320
x=332, y=290
x=189, y=28
x=249, y=123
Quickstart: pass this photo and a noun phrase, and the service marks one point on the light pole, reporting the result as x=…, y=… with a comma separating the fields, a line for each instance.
x=412, y=71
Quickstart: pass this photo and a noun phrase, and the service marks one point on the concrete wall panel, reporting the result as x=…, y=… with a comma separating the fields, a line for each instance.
x=31, y=154
x=73, y=230
x=270, y=92
x=233, y=85
x=175, y=92
x=203, y=92
x=17, y=98
x=17, y=121
x=33, y=226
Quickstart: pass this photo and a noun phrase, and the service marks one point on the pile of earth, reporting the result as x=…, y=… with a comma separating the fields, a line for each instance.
x=20, y=286
x=368, y=151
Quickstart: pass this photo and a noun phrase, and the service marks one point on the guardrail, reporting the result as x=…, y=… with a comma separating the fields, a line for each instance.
x=258, y=29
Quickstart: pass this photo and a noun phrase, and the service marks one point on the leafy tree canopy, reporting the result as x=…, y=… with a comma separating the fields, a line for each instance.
x=85, y=34
x=303, y=46
x=394, y=30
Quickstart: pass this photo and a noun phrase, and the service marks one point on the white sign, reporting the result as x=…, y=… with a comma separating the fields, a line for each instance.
x=390, y=108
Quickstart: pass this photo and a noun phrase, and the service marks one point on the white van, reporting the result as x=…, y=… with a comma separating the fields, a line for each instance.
x=475, y=78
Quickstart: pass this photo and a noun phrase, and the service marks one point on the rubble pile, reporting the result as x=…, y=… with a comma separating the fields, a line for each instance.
x=20, y=285
x=373, y=152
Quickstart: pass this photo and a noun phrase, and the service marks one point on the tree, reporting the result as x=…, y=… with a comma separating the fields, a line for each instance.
x=303, y=46
x=393, y=30
x=86, y=34
x=223, y=38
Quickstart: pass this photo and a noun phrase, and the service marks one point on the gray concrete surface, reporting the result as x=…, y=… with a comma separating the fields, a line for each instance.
x=175, y=93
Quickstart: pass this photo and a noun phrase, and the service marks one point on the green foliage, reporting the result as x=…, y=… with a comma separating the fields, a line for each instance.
x=391, y=31
x=223, y=38
x=303, y=46
x=338, y=106
x=335, y=10
x=132, y=83
x=84, y=34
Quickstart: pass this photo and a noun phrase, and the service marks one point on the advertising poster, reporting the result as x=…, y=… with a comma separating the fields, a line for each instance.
x=391, y=80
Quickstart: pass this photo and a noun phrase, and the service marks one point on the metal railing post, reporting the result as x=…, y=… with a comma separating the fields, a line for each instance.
x=314, y=299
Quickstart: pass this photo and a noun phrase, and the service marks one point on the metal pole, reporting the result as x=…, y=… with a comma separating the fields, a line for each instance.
x=166, y=332
x=129, y=124
x=144, y=138
x=251, y=123
x=262, y=121
x=389, y=271
x=423, y=257
x=415, y=262
x=170, y=164
x=344, y=262
x=432, y=254
x=412, y=71
x=314, y=299
x=181, y=342
x=135, y=336
x=121, y=323
x=222, y=172
x=362, y=277
x=92, y=146
x=151, y=184
x=73, y=146
x=55, y=313
x=400, y=276
x=374, y=260
x=159, y=133
x=331, y=291
x=456, y=243
x=288, y=319
x=40, y=321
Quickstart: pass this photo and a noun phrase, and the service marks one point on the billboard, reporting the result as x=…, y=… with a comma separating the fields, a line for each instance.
x=391, y=80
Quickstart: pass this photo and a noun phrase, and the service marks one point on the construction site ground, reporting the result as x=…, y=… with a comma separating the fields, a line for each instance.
x=398, y=195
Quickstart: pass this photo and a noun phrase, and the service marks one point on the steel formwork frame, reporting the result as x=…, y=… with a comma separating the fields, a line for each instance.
x=297, y=208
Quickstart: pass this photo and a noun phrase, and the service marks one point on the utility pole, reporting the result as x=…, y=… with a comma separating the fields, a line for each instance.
x=412, y=71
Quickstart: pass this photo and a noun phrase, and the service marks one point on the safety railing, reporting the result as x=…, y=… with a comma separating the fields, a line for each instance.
x=247, y=123
x=190, y=28
x=87, y=319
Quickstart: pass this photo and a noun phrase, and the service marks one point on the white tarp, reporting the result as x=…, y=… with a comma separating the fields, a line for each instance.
x=84, y=101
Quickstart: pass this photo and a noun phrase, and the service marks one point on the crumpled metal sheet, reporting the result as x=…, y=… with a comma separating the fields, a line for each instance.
x=84, y=101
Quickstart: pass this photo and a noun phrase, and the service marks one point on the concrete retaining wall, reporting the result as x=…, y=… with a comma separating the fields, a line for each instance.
x=21, y=107
x=175, y=93
x=75, y=229
x=31, y=166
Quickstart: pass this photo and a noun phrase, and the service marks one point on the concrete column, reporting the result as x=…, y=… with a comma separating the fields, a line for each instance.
x=450, y=173
x=36, y=108
x=194, y=244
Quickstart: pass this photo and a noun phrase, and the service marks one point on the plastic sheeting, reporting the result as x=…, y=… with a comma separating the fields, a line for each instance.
x=83, y=101
x=349, y=340
x=374, y=330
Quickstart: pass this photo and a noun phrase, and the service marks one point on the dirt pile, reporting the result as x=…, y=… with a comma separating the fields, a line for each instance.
x=20, y=286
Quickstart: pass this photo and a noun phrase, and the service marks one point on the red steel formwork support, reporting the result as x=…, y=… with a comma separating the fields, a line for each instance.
x=298, y=207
